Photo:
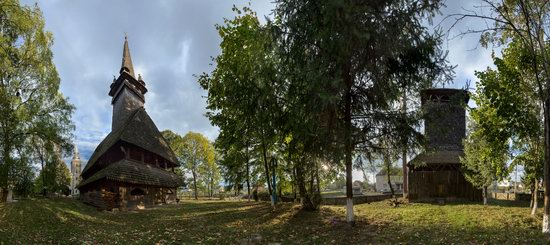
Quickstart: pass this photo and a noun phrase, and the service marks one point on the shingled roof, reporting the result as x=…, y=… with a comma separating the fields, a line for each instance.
x=138, y=130
x=130, y=171
x=438, y=157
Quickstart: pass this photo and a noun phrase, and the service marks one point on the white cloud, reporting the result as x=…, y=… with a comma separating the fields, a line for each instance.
x=181, y=65
x=169, y=43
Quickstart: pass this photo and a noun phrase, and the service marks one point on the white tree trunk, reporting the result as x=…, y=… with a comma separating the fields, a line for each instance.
x=535, y=198
x=350, y=218
x=545, y=228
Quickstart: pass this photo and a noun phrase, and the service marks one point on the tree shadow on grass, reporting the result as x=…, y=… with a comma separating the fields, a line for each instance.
x=258, y=223
x=490, y=202
x=329, y=225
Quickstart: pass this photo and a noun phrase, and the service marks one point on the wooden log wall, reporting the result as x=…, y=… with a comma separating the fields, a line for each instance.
x=434, y=185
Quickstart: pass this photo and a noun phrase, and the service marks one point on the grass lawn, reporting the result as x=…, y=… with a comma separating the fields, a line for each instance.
x=229, y=222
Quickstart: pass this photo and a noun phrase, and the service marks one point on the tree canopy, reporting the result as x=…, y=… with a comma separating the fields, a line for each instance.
x=32, y=107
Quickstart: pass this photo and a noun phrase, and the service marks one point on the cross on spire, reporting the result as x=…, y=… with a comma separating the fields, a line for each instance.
x=127, y=59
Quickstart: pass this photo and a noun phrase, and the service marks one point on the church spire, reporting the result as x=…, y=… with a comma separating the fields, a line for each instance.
x=76, y=154
x=127, y=59
x=127, y=91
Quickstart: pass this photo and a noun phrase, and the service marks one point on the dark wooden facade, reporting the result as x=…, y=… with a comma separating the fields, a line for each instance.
x=133, y=167
x=441, y=181
x=436, y=174
x=109, y=195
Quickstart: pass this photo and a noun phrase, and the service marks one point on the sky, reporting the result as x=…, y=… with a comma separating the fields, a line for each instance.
x=170, y=42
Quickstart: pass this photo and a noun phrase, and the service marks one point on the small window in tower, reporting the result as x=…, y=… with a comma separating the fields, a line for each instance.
x=445, y=98
x=137, y=192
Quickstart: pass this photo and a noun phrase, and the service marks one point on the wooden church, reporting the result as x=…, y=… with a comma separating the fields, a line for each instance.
x=133, y=167
x=436, y=175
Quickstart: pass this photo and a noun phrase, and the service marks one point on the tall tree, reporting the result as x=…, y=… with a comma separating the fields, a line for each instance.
x=31, y=104
x=55, y=177
x=241, y=94
x=343, y=65
x=523, y=21
x=531, y=156
x=483, y=163
x=506, y=118
x=197, y=154
x=210, y=174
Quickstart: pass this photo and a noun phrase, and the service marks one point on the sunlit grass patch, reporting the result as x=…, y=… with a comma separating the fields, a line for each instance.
x=230, y=222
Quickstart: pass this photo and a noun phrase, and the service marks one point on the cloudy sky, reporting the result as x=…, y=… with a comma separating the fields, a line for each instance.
x=170, y=42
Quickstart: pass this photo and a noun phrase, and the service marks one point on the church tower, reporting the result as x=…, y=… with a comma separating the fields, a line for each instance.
x=127, y=91
x=75, y=171
x=134, y=166
x=437, y=174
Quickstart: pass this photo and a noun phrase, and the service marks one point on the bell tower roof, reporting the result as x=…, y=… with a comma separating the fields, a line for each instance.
x=127, y=65
x=127, y=76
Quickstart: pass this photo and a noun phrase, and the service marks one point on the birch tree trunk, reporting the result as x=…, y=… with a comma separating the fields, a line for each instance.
x=532, y=194
x=195, y=184
x=350, y=217
x=535, y=198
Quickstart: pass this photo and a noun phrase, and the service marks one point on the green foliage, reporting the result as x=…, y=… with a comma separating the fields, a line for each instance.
x=346, y=65
x=54, y=178
x=317, y=84
x=198, y=158
x=244, y=102
x=175, y=142
x=507, y=120
x=31, y=105
x=522, y=25
x=483, y=163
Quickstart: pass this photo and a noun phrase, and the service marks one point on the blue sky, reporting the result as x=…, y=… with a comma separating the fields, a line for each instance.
x=170, y=42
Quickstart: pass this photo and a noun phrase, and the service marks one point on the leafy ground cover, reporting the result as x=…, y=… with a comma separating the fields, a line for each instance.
x=229, y=222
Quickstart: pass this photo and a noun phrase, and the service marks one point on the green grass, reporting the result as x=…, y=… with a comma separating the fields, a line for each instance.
x=229, y=222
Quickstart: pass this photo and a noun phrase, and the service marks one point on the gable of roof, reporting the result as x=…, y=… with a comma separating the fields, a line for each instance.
x=140, y=130
x=133, y=172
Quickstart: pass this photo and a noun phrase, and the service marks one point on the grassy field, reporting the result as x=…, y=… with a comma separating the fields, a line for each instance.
x=229, y=222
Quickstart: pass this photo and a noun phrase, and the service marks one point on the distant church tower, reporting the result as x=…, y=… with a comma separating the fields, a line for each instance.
x=75, y=171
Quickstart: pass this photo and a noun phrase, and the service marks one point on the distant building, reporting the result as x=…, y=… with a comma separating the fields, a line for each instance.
x=436, y=173
x=356, y=188
x=75, y=171
x=507, y=185
x=133, y=167
x=396, y=177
